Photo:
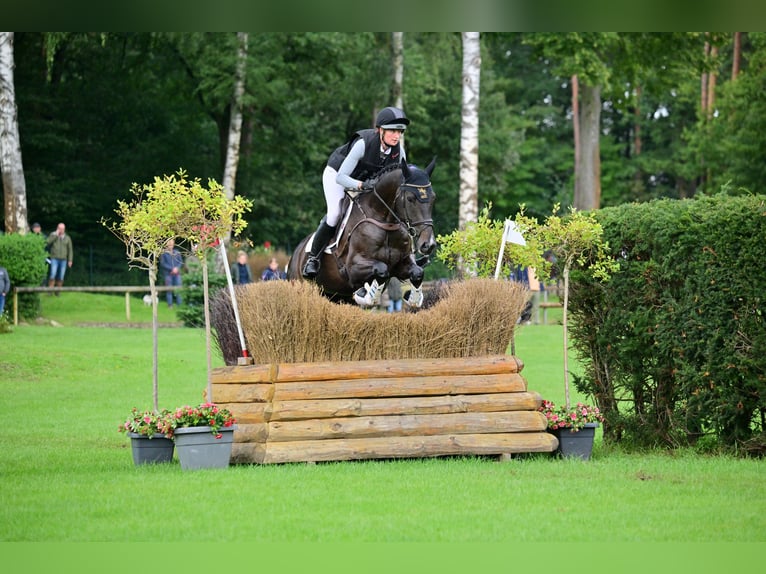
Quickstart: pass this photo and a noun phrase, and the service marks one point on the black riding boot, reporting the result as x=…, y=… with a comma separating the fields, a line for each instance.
x=323, y=234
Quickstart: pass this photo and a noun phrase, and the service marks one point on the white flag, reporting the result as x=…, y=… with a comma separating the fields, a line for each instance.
x=512, y=233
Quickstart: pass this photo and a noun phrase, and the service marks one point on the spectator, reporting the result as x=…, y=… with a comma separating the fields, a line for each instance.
x=394, y=289
x=5, y=287
x=171, y=262
x=59, y=246
x=272, y=272
x=36, y=229
x=240, y=269
x=526, y=277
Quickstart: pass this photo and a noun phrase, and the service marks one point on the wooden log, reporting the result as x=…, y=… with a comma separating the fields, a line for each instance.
x=406, y=425
x=333, y=370
x=247, y=413
x=356, y=407
x=396, y=447
x=243, y=393
x=253, y=432
x=400, y=386
x=244, y=374
x=243, y=453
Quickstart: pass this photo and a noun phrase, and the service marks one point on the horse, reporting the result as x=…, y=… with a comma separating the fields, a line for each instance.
x=386, y=232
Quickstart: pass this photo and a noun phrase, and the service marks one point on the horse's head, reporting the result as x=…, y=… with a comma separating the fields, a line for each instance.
x=414, y=204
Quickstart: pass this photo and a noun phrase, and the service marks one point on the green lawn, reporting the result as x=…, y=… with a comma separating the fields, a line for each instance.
x=67, y=474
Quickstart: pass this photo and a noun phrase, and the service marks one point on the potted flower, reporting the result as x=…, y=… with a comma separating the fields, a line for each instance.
x=574, y=427
x=203, y=435
x=150, y=433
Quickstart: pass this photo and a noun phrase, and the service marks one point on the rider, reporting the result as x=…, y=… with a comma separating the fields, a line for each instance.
x=350, y=167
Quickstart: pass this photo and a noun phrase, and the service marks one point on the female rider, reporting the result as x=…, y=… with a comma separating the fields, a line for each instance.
x=349, y=167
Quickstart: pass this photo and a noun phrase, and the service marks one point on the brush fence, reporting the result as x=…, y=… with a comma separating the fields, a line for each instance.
x=381, y=409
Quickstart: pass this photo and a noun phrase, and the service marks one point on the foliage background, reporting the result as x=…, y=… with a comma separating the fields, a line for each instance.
x=100, y=111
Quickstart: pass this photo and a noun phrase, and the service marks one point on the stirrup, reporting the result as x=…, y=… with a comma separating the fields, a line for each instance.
x=369, y=295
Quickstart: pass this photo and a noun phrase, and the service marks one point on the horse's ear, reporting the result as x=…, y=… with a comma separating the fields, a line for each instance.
x=405, y=170
x=430, y=167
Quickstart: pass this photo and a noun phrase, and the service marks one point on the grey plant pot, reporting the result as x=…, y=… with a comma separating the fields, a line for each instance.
x=197, y=447
x=576, y=444
x=156, y=449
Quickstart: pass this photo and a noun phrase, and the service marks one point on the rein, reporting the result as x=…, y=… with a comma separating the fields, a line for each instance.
x=409, y=226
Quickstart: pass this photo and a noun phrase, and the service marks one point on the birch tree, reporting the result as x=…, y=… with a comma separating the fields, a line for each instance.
x=234, y=139
x=397, y=39
x=469, y=131
x=14, y=186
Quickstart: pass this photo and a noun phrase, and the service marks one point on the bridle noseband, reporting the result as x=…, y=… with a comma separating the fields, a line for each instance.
x=412, y=228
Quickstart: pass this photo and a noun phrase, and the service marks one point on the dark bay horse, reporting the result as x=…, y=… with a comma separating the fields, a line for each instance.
x=383, y=234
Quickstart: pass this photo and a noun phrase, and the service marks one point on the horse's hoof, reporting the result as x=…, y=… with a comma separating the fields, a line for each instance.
x=367, y=296
x=414, y=298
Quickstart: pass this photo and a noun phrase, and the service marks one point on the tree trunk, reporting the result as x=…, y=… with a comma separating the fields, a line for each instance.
x=703, y=84
x=712, y=78
x=637, y=124
x=736, y=56
x=576, y=121
x=155, y=338
x=397, y=39
x=234, y=137
x=565, y=308
x=235, y=120
x=14, y=186
x=587, y=193
x=469, y=131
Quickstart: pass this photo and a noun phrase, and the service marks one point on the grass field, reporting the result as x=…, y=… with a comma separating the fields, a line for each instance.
x=67, y=474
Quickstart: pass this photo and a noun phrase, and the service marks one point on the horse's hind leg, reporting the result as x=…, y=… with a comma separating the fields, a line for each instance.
x=373, y=275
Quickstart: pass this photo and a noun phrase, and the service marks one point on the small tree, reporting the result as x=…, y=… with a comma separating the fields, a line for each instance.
x=477, y=246
x=575, y=240
x=210, y=218
x=171, y=207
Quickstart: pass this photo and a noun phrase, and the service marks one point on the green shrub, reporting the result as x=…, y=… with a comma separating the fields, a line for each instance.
x=24, y=258
x=678, y=336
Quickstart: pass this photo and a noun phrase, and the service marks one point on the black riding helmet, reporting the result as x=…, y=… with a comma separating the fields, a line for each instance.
x=391, y=118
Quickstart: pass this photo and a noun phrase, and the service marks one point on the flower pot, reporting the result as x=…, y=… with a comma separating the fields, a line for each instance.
x=576, y=444
x=150, y=450
x=198, y=447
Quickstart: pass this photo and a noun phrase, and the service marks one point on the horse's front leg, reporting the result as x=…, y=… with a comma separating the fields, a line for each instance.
x=413, y=273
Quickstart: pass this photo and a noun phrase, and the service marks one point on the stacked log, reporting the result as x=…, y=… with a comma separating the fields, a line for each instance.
x=351, y=410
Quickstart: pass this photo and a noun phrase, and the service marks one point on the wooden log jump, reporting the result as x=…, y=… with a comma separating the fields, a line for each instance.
x=302, y=412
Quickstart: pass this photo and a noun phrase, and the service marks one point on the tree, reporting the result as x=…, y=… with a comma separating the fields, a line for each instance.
x=14, y=185
x=174, y=207
x=397, y=39
x=235, y=119
x=469, y=131
x=587, y=56
x=235, y=136
x=576, y=239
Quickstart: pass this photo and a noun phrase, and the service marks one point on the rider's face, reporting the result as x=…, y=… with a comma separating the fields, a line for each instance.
x=391, y=137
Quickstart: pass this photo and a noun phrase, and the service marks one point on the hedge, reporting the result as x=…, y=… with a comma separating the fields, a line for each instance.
x=675, y=343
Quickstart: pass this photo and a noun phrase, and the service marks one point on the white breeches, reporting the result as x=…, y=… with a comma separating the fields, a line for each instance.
x=333, y=195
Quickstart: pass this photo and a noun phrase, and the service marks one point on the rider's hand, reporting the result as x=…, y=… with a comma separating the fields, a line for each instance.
x=368, y=185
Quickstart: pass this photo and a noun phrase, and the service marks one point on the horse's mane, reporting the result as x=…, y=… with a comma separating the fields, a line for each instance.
x=415, y=176
x=386, y=170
